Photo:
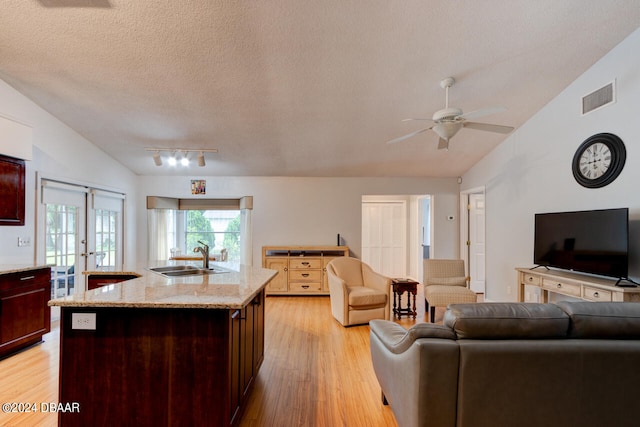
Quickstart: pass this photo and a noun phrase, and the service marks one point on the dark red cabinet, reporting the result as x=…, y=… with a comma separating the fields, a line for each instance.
x=24, y=313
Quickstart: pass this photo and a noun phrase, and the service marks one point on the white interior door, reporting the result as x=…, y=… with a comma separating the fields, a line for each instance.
x=477, y=242
x=384, y=237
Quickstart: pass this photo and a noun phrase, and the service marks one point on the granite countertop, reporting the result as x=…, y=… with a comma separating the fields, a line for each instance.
x=232, y=289
x=17, y=268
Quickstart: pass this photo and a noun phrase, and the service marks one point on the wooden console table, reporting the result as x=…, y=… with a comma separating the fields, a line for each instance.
x=401, y=286
x=577, y=285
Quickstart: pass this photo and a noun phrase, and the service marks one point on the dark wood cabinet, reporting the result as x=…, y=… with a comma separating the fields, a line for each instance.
x=160, y=366
x=24, y=313
x=98, y=280
x=247, y=347
x=12, y=191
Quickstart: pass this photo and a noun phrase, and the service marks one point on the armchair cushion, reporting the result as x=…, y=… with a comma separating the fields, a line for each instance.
x=441, y=295
x=447, y=281
x=361, y=296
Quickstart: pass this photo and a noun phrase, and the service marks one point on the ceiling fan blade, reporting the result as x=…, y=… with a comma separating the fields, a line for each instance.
x=483, y=112
x=408, y=120
x=402, y=138
x=488, y=127
x=443, y=144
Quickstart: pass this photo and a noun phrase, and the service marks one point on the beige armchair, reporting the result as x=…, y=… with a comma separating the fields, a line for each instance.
x=358, y=294
x=445, y=283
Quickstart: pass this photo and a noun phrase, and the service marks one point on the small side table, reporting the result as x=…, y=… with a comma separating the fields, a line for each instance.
x=401, y=286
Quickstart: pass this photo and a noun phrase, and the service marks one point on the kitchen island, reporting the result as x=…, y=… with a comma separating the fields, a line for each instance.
x=162, y=351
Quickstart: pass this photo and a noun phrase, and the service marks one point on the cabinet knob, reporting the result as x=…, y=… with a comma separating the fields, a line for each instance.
x=305, y=274
x=559, y=285
x=596, y=295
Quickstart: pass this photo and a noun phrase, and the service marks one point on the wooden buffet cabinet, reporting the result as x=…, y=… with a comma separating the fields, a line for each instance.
x=24, y=313
x=577, y=285
x=302, y=270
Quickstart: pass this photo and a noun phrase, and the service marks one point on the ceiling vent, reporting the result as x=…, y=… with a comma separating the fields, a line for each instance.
x=599, y=98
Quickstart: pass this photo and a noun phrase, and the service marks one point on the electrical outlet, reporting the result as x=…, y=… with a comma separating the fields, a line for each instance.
x=527, y=296
x=86, y=321
x=508, y=290
x=24, y=241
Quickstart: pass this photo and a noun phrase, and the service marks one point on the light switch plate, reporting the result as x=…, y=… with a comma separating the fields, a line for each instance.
x=86, y=321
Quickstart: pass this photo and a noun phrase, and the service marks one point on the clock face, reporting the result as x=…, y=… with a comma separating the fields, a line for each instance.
x=599, y=160
x=595, y=160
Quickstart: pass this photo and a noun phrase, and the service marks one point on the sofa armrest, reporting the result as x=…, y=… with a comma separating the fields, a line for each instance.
x=417, y=371
x=398, y=339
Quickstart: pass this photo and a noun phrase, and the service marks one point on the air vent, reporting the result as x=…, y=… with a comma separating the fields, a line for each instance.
x=599, y=98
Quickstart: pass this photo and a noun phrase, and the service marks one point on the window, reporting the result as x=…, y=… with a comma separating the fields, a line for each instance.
x=219, y=229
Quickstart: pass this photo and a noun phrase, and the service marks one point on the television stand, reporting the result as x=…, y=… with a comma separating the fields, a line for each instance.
x=576, y=285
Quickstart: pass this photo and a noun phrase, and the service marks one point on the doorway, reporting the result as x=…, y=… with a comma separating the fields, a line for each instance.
x=473, y=213
x=396, y=234
x=81, y=230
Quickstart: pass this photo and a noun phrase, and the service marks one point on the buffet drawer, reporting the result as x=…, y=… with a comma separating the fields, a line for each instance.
x=302, y=262
x=562, y=288
x=595, y=294
x=530, y=279
x=305, y=276
x=305, y=287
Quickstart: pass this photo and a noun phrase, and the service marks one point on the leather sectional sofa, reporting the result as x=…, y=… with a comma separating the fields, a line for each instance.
x=513, y=364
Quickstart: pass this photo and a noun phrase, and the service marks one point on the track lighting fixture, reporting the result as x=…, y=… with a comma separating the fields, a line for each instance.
x=172, y=160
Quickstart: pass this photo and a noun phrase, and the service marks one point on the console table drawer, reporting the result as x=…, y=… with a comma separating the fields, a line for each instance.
x=562, y=288
x=305, y=276
x=595, y=294
x=305, y=287
x=531, y=279
x=301, y=263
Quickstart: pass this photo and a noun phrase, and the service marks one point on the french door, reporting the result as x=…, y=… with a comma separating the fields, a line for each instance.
x=82, y=231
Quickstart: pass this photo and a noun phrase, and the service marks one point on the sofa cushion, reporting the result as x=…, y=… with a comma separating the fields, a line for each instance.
x=603, y=319
x=507, y=321
x=397, y=339
x=447, y=281
x=361, y=296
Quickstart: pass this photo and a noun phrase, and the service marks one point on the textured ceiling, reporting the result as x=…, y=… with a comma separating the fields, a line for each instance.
x=299, y=88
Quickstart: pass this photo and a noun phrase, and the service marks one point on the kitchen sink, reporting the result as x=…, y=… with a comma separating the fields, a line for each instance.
x=186, y=270
x=174, y=268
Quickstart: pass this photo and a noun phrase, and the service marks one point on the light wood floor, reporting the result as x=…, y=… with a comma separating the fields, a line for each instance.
x=315, y=372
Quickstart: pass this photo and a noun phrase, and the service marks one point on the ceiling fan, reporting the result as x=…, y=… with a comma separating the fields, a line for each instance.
x=448, y=121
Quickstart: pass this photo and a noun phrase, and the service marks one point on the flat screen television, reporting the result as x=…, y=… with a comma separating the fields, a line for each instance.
x=595, y=241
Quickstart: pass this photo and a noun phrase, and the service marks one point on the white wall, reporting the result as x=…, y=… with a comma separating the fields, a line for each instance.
x=60, y=152
x=530, y=172
x=304, y=211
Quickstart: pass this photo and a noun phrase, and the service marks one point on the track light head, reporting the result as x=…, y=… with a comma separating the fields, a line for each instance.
x=157, y=159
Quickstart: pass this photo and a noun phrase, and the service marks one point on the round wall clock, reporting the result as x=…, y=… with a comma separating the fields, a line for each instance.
x=599, y=160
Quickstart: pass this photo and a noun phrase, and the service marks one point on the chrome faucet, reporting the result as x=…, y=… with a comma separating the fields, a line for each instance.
x=204, y=250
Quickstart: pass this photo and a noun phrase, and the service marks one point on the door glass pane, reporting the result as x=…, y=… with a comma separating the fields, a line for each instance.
x=106, y=239
x=61, y=233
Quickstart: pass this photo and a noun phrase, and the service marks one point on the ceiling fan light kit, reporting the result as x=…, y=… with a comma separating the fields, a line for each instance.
x=449, y=120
